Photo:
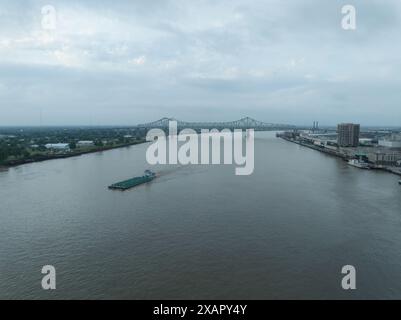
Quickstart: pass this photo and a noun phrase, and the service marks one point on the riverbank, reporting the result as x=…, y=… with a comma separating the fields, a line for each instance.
x=321, y=149
x=338, y=154
x=75, y=153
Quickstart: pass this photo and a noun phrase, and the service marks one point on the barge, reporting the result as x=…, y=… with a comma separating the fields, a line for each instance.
x=133, y=182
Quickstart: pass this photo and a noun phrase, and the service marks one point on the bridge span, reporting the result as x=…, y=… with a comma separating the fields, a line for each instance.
x=243, y=124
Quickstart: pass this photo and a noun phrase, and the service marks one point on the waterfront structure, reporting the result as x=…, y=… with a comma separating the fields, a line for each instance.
x=58, y=146
x=383, y=158
x=319, y=139
x=348, y=134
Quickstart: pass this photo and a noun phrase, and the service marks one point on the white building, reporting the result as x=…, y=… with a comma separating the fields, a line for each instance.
x=390, y=144
x=85, y=143
x=366, y=141
x=394, y=141
x=57, y=146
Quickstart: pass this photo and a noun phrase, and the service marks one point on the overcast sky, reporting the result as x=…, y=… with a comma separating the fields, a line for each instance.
x=126, y=62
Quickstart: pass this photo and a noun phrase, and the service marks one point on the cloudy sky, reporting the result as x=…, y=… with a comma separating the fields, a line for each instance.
x=125, y=62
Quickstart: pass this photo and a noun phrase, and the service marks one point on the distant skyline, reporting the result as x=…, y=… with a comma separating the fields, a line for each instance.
x=127, y=62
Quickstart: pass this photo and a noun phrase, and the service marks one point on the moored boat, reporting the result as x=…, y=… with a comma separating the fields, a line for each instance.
x=359, y=164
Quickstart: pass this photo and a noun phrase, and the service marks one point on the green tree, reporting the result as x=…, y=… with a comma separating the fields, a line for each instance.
x=3, y=154
x=98, y=143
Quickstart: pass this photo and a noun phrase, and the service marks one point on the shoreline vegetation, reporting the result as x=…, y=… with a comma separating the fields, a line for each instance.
x=70, y=154
x=22, y=145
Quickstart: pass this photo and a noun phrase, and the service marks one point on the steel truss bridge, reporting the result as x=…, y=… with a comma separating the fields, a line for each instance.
x=244, y=123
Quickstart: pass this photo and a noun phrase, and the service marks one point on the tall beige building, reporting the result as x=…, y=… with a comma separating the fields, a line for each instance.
x=348, y=134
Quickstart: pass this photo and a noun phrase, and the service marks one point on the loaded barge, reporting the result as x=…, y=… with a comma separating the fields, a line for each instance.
x=133, y=182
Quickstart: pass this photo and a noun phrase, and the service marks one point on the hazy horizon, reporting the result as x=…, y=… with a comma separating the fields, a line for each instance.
x=129, y=62
x=306, y=125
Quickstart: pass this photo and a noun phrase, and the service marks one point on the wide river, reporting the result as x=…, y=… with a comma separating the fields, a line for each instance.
x=200, y=231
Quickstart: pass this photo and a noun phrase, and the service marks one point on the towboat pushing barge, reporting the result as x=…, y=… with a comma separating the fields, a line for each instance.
x=133, y=182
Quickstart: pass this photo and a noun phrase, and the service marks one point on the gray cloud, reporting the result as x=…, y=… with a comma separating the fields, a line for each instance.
x=125, y=62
